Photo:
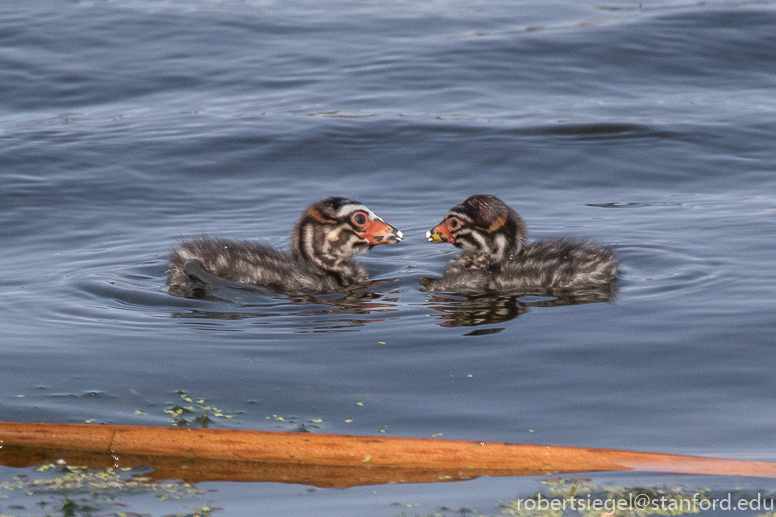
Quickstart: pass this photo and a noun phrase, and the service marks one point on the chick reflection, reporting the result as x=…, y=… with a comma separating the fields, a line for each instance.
x=459, y=310
x=321, y=307
x=472, y=311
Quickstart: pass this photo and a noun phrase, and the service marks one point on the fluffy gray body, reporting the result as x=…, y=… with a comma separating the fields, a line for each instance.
x=250, y=263
x=540, y=266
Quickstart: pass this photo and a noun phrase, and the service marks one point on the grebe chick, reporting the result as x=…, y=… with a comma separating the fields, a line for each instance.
x=324, y=241
x=496, y=257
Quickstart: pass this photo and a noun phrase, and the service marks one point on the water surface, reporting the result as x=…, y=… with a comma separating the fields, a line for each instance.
x=127, y=125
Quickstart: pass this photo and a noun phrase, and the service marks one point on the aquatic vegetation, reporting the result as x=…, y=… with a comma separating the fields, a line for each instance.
x=74, y=490
x=80, y=480
x=191, y=416
x=205, y=511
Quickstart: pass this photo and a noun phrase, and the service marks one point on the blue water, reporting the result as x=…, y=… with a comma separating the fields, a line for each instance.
x=648, y=126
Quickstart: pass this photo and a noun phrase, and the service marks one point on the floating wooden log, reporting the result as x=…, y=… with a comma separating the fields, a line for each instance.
x=326, y=460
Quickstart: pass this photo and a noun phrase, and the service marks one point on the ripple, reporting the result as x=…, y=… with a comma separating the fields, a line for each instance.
x=661, y=270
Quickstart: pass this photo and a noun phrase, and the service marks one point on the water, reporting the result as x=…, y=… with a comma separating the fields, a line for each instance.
x=127, y=125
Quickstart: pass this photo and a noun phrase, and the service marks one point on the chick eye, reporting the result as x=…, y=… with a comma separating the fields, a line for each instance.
x=453, y=223
x=359, y=219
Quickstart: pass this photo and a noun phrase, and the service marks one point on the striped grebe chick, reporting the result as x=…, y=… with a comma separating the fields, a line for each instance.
x=496, y=256
x=323, y=243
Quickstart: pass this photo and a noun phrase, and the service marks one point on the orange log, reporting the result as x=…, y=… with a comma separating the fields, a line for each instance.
x=326, y=460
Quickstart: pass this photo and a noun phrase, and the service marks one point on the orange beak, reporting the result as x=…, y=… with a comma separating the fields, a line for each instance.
x=440, y=233
x=380, y=232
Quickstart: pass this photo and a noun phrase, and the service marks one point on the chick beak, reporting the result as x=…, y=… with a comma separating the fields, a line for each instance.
x=440, y=233
x=380, y=232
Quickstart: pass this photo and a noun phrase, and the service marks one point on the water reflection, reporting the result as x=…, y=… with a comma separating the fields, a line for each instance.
x=378, y=300
x=486, y=309
x=249, y=301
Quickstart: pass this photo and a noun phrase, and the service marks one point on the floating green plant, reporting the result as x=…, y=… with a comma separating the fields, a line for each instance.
x=81, y=491
x=205, y=511
x=74, y=479
x=292, y=422
x=191, y=416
